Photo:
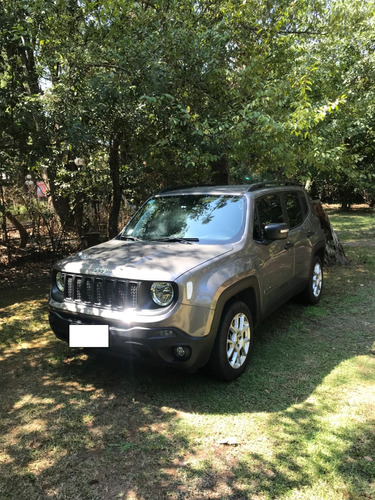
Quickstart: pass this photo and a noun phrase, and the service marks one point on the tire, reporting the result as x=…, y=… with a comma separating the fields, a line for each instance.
x=231, y=352
x=313, y=291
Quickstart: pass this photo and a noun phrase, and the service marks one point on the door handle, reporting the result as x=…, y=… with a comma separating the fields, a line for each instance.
x=288, y=245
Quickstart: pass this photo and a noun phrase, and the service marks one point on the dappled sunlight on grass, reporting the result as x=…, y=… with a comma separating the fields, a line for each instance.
x=297, y=425
x=359, y=224
x=278, y=452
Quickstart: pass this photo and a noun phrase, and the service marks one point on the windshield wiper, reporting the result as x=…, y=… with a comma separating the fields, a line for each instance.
x=128, y=237
x=173, y=239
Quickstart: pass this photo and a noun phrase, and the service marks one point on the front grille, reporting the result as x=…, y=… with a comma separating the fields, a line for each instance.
x=101, y=292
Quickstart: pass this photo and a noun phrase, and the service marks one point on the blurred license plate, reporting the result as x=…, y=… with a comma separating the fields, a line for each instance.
x=88, y=336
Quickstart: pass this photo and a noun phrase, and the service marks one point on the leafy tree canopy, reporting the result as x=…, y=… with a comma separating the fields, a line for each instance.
x=156, y=93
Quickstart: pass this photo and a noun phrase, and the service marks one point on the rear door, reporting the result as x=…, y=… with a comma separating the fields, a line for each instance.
x=299, y=233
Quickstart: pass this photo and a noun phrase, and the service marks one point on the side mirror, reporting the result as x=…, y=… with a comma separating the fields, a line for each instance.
x=276, y=231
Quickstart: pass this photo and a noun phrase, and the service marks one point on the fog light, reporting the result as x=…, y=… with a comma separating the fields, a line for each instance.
x=165, y=333
x=182, y=352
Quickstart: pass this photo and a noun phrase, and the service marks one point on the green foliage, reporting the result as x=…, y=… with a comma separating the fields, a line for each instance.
x=264, y=89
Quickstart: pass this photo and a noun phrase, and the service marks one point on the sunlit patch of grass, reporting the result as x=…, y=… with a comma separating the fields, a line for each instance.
x=354, y=225
x=301, y=451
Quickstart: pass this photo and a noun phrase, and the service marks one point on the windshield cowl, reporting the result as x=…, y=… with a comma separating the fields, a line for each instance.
x=175, y=239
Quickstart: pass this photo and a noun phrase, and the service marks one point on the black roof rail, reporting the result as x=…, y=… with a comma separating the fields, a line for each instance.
x=260, y=185
x=185, y=186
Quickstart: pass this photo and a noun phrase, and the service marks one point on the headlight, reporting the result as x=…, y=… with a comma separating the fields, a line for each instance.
x=162, y=293
x=60, y=280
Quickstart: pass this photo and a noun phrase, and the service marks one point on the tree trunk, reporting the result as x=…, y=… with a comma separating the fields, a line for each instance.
x=60, y=204
x=220, y=171
x=334, y=250
x=114, y=166
x=24, y=235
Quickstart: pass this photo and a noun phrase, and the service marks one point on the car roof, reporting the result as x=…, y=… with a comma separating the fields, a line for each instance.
x=227, y=190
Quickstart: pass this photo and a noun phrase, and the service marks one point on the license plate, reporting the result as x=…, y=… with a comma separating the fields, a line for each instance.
x=88, y=336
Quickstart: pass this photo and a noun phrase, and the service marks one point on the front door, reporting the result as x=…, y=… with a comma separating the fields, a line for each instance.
x=275, y=258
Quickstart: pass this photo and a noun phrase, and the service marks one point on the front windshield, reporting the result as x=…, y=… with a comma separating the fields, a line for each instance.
x=205, y=218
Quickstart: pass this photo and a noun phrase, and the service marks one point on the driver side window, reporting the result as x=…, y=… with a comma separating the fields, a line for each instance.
x=268, y=210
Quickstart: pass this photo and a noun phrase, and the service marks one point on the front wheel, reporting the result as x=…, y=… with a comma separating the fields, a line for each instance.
x=313, y=291
x=234, y=339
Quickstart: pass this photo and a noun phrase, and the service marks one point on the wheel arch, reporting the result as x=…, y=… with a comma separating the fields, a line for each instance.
x=247, y=291
x=320, y=252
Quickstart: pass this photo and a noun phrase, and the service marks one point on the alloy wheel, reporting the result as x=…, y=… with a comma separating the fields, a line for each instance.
x=238, y=340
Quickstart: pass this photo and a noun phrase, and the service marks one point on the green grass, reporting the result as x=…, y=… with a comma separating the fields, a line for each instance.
x=358, y=224
x=298, y=425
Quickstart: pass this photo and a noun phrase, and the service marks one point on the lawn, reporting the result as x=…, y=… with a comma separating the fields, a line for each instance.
x=298, y=425
x=356, y=225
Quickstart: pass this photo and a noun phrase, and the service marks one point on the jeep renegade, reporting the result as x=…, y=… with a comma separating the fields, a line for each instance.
x=191, y=275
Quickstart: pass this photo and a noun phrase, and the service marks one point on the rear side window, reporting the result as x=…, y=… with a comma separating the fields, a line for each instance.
x=267, y=210
x=294, y=209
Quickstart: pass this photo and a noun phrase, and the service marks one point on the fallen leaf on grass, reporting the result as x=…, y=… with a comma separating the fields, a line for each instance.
x=229, y=441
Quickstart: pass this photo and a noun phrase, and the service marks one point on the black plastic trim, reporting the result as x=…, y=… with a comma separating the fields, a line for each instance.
x=260, y=185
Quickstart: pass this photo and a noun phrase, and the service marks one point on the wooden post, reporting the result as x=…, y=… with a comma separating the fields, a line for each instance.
x=4, y=227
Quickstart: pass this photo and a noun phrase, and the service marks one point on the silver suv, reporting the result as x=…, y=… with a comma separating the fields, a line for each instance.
x=190, y=276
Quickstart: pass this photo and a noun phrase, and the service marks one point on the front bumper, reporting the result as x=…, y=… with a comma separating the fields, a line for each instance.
x=151, y=345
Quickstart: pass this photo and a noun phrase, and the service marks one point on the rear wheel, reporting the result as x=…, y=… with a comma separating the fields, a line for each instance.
x=234, y=339
x=313, y=291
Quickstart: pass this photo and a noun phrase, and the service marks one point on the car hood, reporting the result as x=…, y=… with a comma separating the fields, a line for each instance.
x=156, y=261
